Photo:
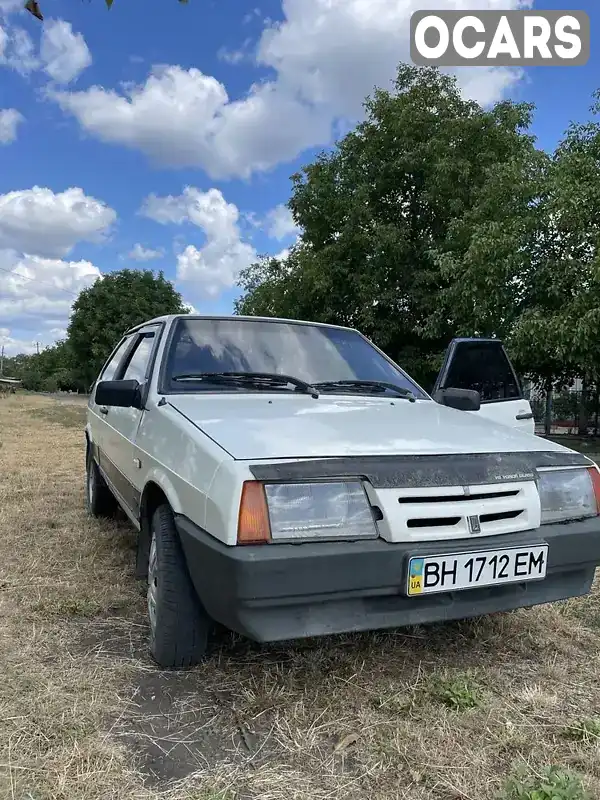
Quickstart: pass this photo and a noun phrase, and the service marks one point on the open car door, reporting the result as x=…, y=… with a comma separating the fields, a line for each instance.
x=483, y=365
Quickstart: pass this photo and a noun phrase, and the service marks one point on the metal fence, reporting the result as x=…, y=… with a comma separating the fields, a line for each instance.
x=570, y=414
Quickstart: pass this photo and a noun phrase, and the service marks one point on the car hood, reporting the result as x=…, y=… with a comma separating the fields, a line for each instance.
x=275, y=426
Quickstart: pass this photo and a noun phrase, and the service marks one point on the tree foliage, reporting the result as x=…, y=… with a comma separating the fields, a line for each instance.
x=556, y=335
x=387, y=219
x=49, y=370
x=433, y=218
x=436, y=218
x=101, y=315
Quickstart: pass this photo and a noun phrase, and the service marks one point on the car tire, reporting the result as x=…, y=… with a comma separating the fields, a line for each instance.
x=99, y=500
x=179, y=626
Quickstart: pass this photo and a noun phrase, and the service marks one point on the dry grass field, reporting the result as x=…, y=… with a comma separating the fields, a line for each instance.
x=451, y=712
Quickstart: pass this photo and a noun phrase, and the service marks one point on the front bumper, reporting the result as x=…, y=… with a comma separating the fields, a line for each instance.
x=291, y=591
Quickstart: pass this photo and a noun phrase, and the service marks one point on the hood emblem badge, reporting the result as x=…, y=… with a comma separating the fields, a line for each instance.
x=474, y=524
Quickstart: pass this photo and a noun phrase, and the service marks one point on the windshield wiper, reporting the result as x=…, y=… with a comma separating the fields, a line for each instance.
x=374, y=386
x=258, y=380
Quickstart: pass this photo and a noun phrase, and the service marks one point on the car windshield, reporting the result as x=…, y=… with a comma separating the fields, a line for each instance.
x=312, y=353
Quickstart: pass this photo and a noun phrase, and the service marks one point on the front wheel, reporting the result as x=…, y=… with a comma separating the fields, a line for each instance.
x=99, y=500
x=179, y=626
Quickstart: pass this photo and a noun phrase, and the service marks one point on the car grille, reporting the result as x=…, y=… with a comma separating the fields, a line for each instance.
x=452, y=512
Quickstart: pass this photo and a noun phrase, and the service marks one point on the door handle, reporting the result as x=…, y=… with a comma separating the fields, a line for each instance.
x=521, y=417
x=103, y=409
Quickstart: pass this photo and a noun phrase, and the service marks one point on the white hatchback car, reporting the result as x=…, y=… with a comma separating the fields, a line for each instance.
x=288, y=480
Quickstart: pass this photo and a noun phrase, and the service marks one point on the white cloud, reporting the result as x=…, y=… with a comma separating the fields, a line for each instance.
x=17, y=51
x=250, y=16
x=40, y=222
x=280, y=223
x=15, y=345
x=326, y=55
x=8, y=6
x=210, y=269
x=283, y=254
x=333, y=52
x=182, y=118
x=10, y=119
x=27, y=342
x=237, y=56
x=141, y=253
x=38, y=291
x=214, y=267
x=58, y=333
x=64, y=53
x=168, y=118
x=207, y=210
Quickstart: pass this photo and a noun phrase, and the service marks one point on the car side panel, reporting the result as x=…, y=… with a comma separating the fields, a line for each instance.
x=179, y=458
x=118, y=455
x=223, y=501
x=94, y=427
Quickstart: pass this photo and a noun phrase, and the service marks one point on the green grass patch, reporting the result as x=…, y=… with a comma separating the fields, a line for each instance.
x=552, y=783
x=458, y=692
x=585, y=730
x=70, y=416
x=67, y=607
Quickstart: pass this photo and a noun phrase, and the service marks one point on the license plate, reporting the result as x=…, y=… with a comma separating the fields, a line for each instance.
x=457, y=571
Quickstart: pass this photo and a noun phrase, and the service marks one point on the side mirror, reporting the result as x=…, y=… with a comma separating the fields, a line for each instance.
x=461, y=399
x=123, y=394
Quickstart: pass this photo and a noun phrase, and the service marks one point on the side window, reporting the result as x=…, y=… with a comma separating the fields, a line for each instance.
x=485, y=368
x=110, y=370
x=139, y=360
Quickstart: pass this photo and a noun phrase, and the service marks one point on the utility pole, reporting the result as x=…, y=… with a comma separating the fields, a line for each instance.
x=37, y=345
x=2, y=362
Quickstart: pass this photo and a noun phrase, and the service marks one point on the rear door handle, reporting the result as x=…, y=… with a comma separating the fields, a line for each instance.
x=103, y=409
x=524, y=416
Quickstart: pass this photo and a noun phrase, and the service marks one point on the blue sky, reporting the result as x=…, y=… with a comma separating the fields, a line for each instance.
x=163, y=135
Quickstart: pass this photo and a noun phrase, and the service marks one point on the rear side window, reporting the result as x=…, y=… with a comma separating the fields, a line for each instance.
x=139, y=361
x=484, y=367
x=110, y=370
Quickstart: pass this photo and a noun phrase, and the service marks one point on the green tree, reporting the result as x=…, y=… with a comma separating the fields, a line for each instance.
x=14, y=366
x=487, y=257
x=379, y=210
x=115, y=303
x=555, y=338
x=49, y=370
x=284, y=287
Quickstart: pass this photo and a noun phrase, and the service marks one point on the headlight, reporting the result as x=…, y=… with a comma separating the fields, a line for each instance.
x=319, y=511
x=567, y=494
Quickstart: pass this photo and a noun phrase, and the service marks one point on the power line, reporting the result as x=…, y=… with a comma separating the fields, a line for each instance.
x=42, y=283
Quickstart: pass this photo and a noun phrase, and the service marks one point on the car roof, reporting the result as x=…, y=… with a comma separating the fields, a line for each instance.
x=169, y=318
x=478, y=339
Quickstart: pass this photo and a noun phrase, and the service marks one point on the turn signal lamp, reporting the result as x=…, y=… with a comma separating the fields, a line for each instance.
x=595, y=476
x=253, y=520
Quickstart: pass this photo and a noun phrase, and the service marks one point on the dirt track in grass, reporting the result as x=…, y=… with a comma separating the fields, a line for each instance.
x=446, y=712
